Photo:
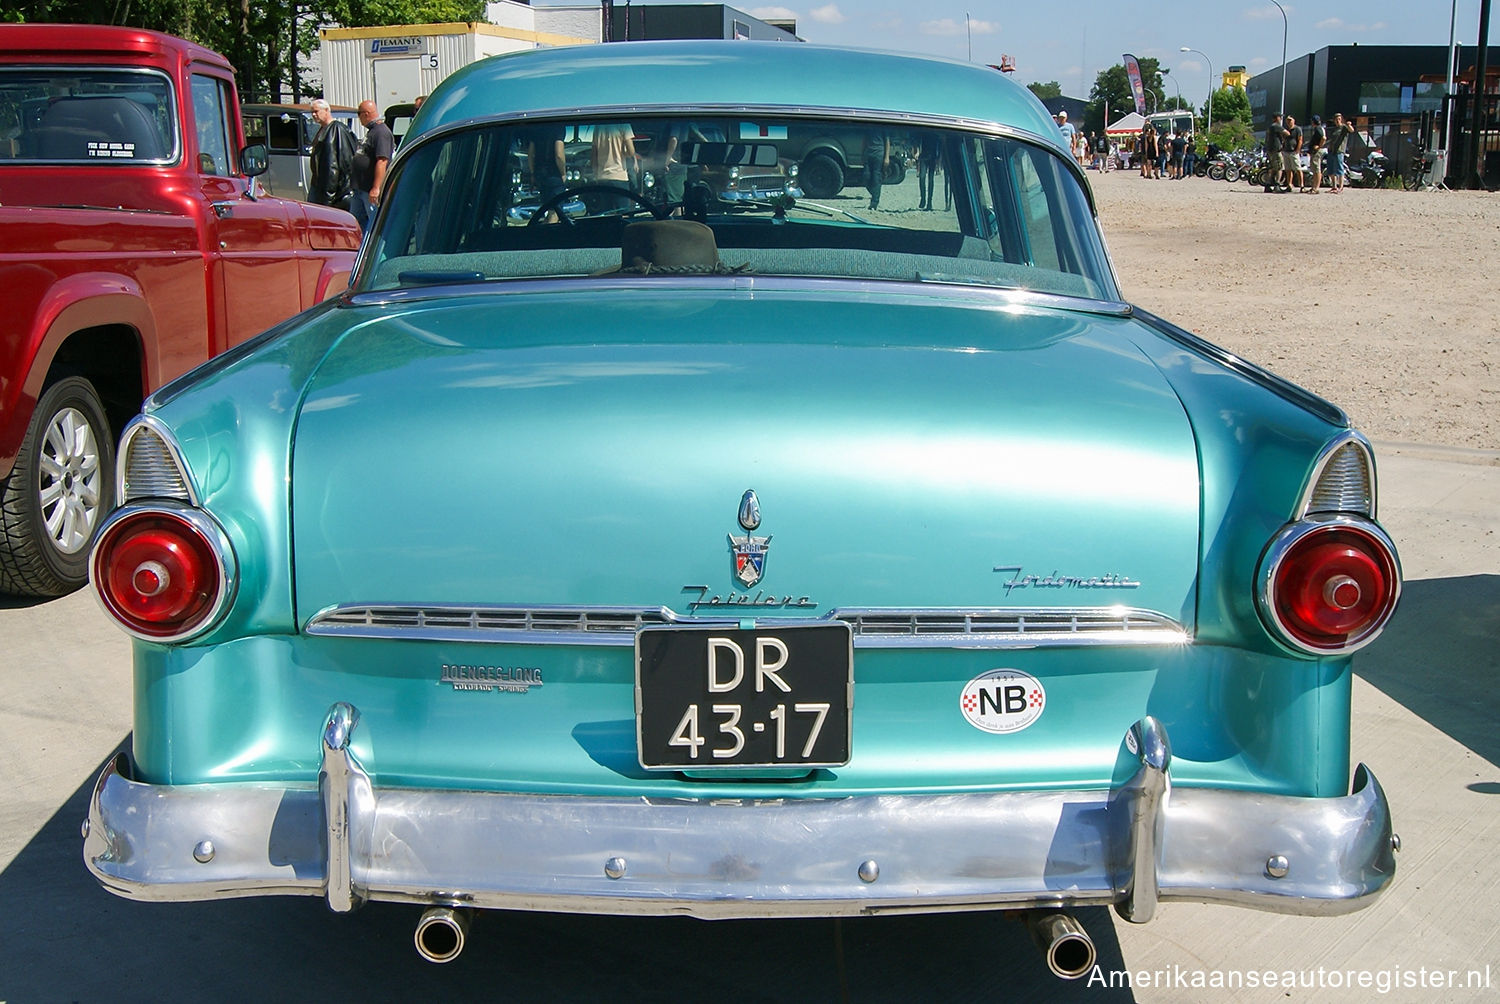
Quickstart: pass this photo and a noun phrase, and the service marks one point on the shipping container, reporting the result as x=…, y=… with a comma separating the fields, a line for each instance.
x=394, y=64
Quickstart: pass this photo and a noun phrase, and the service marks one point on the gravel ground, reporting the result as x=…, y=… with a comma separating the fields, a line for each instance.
x=1381, y=301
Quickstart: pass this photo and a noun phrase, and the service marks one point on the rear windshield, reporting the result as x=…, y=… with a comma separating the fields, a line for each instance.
x=796, y=197
x=86, y=116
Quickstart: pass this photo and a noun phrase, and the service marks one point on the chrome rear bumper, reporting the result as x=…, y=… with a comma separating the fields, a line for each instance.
x=1130, y=845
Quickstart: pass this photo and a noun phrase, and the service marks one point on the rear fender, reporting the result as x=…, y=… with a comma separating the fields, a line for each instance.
x=73, y=304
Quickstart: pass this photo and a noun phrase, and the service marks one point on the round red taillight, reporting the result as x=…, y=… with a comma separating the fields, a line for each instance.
x=159, y=572
x=1331, y=584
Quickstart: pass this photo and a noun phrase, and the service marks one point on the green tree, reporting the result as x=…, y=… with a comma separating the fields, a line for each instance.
x=1231, y=134
x=1230, y=104
x=1111, y=92
x=1051, y=89
x=264, y=40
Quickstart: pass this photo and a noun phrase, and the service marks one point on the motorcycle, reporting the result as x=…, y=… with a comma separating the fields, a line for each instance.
x=1368, y=173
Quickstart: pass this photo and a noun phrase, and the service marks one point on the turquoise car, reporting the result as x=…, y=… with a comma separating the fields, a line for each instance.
x=668, y=551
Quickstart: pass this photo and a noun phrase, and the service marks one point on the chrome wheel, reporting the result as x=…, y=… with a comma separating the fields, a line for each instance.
x=70, y=481
x=58, y=493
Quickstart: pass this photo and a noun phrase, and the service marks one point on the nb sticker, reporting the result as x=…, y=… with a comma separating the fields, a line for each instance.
x=1003, y=701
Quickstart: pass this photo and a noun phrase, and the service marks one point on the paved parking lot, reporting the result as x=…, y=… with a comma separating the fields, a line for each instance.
x=1425, y=720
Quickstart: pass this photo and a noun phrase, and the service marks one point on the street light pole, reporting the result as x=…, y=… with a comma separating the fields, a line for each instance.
x=1176, y=85
x=1283, y=57
x=1208, y=126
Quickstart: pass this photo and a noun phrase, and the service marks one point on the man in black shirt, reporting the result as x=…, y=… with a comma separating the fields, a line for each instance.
x=1312, y=145
x=1179, y=150
x=370, y=162
x=1275, y=137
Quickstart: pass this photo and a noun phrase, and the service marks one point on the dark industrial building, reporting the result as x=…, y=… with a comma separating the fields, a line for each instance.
x=1393, y=93
x=637, y=22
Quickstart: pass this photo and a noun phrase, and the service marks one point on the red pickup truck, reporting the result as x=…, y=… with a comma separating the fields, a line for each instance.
x=135, y=243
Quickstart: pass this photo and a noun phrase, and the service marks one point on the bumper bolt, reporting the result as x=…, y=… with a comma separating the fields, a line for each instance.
x=1395, y=841
x=1277, y=866
x=615, y=868
x=203, y=853
x=869, y=871
x=85, y=827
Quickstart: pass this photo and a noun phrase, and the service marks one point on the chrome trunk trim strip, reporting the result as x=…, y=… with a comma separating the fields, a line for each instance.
x=873, y=627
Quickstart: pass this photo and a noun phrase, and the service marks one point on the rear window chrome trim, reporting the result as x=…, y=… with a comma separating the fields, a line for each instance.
x=872, y=627
x=949, y=291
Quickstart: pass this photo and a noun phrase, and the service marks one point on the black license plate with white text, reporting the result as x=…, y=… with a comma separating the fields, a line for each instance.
x=771, y=696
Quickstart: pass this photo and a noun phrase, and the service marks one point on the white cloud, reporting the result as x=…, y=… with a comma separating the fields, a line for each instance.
x=827, y=14
x=951, y=26
x=1188, y=66
x=1268, y=12
x=775, y=13
x=1260, y=61
x=1338, y=24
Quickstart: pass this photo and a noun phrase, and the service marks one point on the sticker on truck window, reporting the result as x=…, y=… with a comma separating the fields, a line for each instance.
x=125, y=151
x=1003, y=701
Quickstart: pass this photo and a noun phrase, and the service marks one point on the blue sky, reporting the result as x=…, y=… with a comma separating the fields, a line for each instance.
x=1072, y=40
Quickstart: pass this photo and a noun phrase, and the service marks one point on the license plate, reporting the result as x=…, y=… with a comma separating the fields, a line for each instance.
x=711, y=697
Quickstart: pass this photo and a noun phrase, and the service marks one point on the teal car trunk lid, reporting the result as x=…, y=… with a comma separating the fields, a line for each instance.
x=570, y=448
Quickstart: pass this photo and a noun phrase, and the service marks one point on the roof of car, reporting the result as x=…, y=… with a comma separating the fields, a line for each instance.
x=732, y=73
x=30, y=42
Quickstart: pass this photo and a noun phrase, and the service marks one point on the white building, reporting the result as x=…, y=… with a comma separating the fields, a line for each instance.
x=393, y=64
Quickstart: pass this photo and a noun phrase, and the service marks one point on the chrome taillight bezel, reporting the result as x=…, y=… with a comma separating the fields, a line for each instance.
x=201, y=524
x=1286, y=543
x=143, y=428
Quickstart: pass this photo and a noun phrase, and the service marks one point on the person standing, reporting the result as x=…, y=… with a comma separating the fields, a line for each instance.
x=1313, y=141
x=549, y=165
x=1146, y=150
x=1179, y=152
x=1292, y=147
x=1338, y=134
x=614, y=161
x=332, y=161
x=877, y=163
x=1069, y=132
x=927, y=164
x=1275, y=140
x=371, y=160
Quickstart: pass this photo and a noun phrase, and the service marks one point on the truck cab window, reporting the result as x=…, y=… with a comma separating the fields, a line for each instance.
x=210, y=120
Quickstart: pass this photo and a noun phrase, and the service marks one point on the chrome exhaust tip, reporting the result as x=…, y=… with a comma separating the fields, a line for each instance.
x=1067, y=947
x=441, y=933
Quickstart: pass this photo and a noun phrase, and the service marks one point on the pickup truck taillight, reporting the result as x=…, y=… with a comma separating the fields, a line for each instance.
x=1329, y=583
x=164, y=572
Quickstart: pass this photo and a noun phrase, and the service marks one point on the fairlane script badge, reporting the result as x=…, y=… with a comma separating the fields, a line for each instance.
x=1003, y=701
x=1109, y=580
x=749, y=557
x=504, y=679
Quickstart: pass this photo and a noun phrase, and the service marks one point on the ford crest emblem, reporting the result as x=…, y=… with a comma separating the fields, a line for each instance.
x=749, y=557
